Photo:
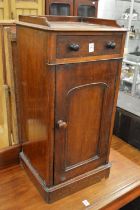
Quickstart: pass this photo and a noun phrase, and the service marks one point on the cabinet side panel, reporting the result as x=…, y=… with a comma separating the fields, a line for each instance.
x=36, y=100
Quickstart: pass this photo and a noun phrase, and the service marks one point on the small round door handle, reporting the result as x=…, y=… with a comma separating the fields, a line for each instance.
x=61, y=124
x=111, y=45
x=74, y=47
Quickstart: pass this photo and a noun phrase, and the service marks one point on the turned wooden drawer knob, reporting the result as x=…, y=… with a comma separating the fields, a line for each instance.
x=110, y=45
x=74, y=47
x=61, y=124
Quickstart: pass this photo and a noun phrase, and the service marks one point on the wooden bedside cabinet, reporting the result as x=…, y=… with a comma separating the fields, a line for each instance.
x=68, y=79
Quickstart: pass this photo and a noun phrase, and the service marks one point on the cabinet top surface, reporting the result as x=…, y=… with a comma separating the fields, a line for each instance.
x=61, y=23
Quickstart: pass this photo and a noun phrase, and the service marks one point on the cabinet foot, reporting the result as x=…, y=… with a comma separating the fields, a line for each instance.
x=54, y=193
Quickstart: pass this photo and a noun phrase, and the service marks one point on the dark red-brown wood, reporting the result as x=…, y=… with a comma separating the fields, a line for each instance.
x=36, y=100
x=66, y=100
x=63, y=41
x=84, y=99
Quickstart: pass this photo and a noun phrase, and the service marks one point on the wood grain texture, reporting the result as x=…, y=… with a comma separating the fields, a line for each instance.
x=63, y=55
x=56, y=192
x=100, y=41
x=9, y=156
x=18, y=192
x=116, y=96
x=79, y=95
x=35, y=95
x=83, y=150
x=29, y=19
x=88, y=123
x=65, y=23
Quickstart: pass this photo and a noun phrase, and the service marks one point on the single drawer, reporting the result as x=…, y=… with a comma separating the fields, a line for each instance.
x=70, y=46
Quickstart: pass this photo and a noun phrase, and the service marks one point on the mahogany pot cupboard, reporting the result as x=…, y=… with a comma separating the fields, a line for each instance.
x=68, y=78
x=86, y=8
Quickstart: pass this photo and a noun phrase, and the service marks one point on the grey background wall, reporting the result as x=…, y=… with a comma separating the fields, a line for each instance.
x=106, y=9
x=113, y=9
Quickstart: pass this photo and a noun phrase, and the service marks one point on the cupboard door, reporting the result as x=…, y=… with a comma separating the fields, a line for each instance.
x=84, y=105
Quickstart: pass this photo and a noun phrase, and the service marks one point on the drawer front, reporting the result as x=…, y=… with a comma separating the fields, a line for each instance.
x=89, y=45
